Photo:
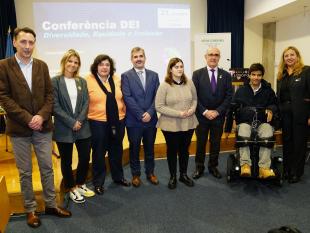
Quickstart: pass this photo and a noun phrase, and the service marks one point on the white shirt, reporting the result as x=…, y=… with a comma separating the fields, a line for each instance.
x=27, y=71
x=102, y=80
x=256, y=90
x=72, y=91
x=143, y=72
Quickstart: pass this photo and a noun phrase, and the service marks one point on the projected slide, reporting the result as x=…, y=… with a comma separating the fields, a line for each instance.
x=163, y=30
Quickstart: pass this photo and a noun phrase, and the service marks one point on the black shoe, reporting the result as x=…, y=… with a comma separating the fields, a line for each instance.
x=186, y=180
x=293, y=179
x=99, y=190
x=197, y=174
x=172, y=182
x=215, y=172
x=58, y=211
x=123, y=182
x=286, y=175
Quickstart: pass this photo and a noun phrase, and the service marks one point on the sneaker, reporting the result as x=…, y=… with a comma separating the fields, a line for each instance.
x=265, y=173
x=86, y=192
x=76, y=197
x=245, y=170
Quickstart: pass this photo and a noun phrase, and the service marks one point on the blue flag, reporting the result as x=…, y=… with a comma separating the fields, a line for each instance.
x=9, y=52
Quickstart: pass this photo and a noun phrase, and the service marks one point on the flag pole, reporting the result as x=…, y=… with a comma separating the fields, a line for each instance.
x=9, y=52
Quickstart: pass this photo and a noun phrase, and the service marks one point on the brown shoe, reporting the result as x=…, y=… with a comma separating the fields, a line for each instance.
x=33, y=220
x=58, y=211
x=136, y=181
x=153, y=179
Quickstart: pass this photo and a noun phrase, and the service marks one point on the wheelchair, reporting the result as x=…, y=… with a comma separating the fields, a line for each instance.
x=254, y=142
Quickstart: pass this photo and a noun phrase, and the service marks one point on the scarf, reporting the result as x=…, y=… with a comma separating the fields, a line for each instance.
x=111, y=107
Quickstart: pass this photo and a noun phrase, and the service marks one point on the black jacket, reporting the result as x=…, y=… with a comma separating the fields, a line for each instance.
x=300, y=95
x=206, y=100
x=244, y=102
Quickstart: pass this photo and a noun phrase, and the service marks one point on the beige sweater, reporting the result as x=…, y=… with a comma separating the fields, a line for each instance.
x=170, y=101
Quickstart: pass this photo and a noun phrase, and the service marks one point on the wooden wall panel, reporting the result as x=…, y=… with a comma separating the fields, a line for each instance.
x=4, y=204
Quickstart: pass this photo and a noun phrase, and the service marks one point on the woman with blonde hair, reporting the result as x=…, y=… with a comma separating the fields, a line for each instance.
x=293, y=92
x=71, y=124
x=176, y=101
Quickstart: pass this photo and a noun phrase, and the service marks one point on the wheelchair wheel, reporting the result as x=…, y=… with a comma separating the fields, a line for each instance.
x=230, y=166
x=277, y=164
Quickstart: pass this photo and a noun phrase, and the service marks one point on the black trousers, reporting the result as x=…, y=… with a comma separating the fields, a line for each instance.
x=178, y=144
x=294, y=135
x=215, y=128
x=65, y=151
x=102, y=142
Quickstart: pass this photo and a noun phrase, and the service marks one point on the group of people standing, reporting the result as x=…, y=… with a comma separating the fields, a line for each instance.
x=92, y=113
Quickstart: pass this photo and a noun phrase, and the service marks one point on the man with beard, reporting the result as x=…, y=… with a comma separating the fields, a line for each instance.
x=139, y=87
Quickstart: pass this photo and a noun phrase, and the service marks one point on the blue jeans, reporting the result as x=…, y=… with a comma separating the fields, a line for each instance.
x=147, y=135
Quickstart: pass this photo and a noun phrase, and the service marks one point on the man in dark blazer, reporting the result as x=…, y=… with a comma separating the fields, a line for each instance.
x=139, y=87
x=26, y=94
x=214, y=91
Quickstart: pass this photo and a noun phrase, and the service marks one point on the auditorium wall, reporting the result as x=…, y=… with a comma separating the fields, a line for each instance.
x=294, y=30
x=252, y=33
x=253, y=42
x=24, y=13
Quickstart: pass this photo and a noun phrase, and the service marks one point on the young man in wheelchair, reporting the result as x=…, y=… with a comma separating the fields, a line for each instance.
x=254, y=106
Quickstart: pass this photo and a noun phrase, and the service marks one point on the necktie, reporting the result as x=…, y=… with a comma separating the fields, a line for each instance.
x=140, y=74
x=213, y=81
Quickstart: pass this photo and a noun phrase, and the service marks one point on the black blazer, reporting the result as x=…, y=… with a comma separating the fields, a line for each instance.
x=300, y=95
x=218, y=101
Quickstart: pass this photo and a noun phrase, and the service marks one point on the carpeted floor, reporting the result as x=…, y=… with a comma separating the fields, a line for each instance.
x=211, y=206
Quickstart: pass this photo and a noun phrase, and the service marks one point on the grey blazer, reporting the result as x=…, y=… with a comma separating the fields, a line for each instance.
x=64, y=116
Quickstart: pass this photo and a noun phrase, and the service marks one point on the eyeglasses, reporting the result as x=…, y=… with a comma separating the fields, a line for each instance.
x=213, y=55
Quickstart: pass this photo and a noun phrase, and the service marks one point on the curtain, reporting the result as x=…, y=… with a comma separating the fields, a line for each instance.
x=228, y=16
x=7, y=19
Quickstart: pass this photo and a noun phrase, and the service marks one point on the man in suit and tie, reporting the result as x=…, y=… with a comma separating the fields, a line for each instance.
x=139, y=87
x=214, y=91
x=26, y=94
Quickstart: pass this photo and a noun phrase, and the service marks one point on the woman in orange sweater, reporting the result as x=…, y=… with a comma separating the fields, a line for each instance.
x=106, y=118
